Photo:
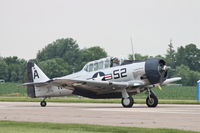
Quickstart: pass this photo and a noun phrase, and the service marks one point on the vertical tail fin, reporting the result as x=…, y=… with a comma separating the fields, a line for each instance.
x=35, y=74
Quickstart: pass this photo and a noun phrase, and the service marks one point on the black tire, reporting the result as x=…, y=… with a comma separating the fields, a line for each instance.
x=127, y=102
x=43, y=103
x=152, y=102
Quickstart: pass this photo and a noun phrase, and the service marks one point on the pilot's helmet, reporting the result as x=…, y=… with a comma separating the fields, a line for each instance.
x=115, y=60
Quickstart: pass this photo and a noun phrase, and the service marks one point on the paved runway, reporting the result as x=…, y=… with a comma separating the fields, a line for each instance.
x=185, y=117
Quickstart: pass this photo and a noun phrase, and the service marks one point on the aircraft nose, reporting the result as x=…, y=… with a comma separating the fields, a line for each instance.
x=156, y=70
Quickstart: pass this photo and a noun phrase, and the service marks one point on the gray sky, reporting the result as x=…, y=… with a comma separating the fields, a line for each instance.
x=27, y=26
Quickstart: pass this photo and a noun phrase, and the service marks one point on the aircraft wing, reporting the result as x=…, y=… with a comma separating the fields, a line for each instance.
x=75, y=82
x=170, y=80
x=167, y=81
x=93, y=85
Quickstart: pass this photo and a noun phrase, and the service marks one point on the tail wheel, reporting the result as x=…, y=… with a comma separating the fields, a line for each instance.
x=43, y=103
x=127, y=102
x=152, y=101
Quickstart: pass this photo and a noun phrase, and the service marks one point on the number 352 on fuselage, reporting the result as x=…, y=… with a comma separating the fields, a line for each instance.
x=104, y=78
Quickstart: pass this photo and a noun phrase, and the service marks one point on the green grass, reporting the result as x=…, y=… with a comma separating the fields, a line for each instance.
x=11, y=89
x=177, y=92
x=41, y=127
x=173, y=92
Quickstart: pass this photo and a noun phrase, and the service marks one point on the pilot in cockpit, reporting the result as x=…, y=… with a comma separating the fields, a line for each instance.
x=114, y=62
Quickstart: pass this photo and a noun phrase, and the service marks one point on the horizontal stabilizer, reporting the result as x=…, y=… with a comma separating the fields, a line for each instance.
x=36, y=83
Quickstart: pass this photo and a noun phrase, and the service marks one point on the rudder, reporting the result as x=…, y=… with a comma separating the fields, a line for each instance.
x=30, y=88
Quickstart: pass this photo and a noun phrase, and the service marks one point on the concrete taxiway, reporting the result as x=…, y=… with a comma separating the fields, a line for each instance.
x=186, y=117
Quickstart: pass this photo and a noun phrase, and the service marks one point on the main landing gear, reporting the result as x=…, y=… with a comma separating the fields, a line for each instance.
x=127, y=101
x=43, y=103
x=152, y=100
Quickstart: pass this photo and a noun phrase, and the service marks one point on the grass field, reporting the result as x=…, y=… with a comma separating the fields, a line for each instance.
x=38, y=127
x=177, y=92
x=11, y=89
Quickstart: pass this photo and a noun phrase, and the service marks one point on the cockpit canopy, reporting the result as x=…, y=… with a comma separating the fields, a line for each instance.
x=104, y=63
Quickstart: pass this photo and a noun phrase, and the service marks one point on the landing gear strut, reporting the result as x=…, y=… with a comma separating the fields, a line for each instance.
x=127, y=101
x=43, y=103
x=152, y=100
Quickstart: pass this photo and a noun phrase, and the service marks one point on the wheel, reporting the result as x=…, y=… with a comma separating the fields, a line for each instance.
x=43, y=103
x=127, y=102
x=152, y=101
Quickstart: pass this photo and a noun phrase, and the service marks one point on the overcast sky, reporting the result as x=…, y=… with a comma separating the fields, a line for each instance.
x=27, y=26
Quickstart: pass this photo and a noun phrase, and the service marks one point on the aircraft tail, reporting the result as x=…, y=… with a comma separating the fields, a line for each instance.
x=35, y=75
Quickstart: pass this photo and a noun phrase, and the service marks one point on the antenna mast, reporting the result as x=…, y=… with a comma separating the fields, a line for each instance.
x=133, y=55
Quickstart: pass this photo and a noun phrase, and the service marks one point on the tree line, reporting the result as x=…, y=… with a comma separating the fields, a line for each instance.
x=64, y=56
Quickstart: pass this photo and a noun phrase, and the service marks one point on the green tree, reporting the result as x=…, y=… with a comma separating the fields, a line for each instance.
x=67, y=49
x=16, y=69
x=3, y=69
x=90, y=54
x=138, y=57
x=189, y=77
x=159, y=56
x=189, y=56
x=170, y=56
x=55, y=67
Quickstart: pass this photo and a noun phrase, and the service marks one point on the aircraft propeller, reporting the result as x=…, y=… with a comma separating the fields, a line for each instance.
x=163, y=70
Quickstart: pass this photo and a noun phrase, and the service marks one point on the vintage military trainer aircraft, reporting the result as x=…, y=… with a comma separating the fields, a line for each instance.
x=104, y=78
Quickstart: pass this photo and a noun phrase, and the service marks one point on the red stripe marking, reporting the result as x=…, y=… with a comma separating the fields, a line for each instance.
x=108, y=76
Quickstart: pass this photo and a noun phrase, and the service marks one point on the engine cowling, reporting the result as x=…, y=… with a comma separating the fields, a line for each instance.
x=156, y=70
